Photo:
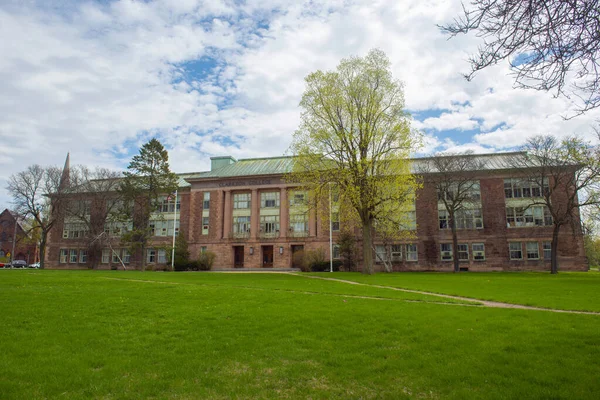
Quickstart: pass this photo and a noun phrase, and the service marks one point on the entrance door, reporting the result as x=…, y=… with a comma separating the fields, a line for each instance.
x=238, y=256
x=297, y=255
x=267, y=252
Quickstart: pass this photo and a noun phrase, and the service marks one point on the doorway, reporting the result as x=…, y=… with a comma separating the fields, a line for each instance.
x=238, y=256
x=297, y=255
x=267, y=256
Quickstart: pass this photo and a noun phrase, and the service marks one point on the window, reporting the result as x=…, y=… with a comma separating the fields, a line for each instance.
x=269, y=200
x=115, y=257
x=164, y=227
x=64, y=254
x=241, y=226
x=269, y=225
x=83, y=254
x=105, y=256
x=202, y=249
x=115, y=228
x=206, y=201
x=72, y=256
x=411, y=252
x=336, y=252
x=335, y=221
x=410, y=221
x=126, y=256
x=380, y=254
x=516, y=251
x=162, y=256
x=465, y=219
x=205, y=222
x=478, y=251
x=81, y=207
x=241, y=201
x=470, y=191
x=518, y=188
x=298, y=198
x=298, y=224
x=446, y=251
x=150, y=256
x=167, y=203
x=463, y=252
x=396, y=253
x=74, y=230
x=533, y=251
x=530, y=216
x=547, y=247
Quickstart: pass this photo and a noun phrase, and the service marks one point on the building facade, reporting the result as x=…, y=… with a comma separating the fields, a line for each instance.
x=251, y=217
x=15, y=244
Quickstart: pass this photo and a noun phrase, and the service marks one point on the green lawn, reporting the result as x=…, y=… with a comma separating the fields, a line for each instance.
x=565, y=291
x=86, y=334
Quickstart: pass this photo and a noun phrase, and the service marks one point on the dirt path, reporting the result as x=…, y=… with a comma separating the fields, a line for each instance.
x=485, y=303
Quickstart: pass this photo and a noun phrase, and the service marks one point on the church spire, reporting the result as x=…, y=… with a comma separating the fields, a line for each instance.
x=65, y=177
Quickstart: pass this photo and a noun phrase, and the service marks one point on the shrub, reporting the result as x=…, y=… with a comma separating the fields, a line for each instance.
x=206, y=260
x=323, y=266
x=347, y=243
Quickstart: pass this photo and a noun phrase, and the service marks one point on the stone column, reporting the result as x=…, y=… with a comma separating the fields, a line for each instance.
x=227, y=211
x=254, y=214
x=284, y=213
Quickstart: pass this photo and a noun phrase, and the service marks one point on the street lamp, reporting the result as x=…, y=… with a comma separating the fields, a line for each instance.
x=330, y=233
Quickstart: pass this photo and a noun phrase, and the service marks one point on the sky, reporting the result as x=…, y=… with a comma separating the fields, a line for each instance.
x=99, y=78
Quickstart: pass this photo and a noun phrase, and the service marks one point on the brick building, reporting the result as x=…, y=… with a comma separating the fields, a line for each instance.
x=250, y=217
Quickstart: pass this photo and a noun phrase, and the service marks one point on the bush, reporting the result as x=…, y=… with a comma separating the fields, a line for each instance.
x=206, y=260
x=315, y=261
x=324, y=266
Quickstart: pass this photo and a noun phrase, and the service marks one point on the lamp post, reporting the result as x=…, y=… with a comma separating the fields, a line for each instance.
x=330, y=233
x=174, y=225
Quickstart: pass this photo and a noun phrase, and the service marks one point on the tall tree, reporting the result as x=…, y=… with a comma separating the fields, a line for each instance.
x=568, y=171
x=147, y=179
x=39, y=193
x=355, y=134
x=552, y=45
x=454, y=177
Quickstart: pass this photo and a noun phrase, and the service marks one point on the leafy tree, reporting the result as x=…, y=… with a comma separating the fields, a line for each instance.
x=147, y=179
x=40, y=193
x=454, y=177
x=182, y=254
x=347, y=243
x=568, y=170
x=355, y=134
x=550, y=44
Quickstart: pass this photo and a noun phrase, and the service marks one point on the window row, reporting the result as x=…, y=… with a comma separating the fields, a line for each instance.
x=267, y=200
x=528, y=216
x=165, y=227
x=529, y=250
x=73, y=256
x=477, y=252
x=167, y=204
x=115, y=256
x=75, y=230
x=469, y=191
x=465, y=219
x=518, y=188
x=115, y=228
x=396, y=253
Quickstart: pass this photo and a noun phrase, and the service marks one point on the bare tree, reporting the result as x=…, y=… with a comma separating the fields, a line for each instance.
x=94, y=202
x=454, y=177
x=38, y=192
x=552, y=45
x=568, y=173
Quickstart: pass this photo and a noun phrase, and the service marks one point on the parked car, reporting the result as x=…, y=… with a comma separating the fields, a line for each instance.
x=34, y=265
x=2, y=265
x=18, y=264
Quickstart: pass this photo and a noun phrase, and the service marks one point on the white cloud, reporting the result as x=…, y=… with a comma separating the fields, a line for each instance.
x=96, y=79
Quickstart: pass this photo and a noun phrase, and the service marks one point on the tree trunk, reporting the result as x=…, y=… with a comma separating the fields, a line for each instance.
x=454, y=244
x=367, y=248
x=554, y=250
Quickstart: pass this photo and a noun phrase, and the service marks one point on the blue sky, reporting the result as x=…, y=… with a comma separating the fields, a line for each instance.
x=99, y=78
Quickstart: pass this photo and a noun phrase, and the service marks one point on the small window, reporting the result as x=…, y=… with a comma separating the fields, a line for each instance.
x=202, y=249
x=64, y=256
x=478, y=251
x=411, y=252
x=162, y=256
x=206, y=201
x=446, y=251
x=298, y=199
x=241, y=201
x=269, y=200
x=443, y=219
x=547, y=250
x=115, y=257
x=335, y=221
x=72, y=256
x=126, y=256
x=151, y=256
x=516, y=251
x=396, y=253
x=83, y=255
x=105, y=256
x=380, y=254
x=533, y=251
x=336, y=252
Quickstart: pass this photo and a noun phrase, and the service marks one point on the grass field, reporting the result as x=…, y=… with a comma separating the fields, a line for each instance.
x=130, y=335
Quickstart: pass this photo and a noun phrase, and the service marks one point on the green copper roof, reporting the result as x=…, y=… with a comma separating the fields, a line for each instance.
x=249, y=167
